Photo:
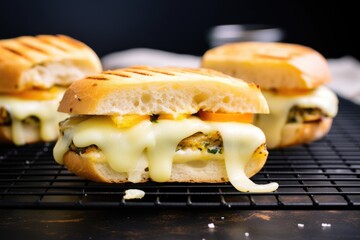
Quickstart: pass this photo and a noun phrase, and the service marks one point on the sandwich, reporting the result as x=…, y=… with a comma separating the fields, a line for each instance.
x=34, y=72
x=291, y=78
x=165, y=125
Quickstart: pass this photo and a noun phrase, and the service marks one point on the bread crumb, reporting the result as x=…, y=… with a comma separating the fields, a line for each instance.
x=211, y=225
x=326, y=225
x=134, y=194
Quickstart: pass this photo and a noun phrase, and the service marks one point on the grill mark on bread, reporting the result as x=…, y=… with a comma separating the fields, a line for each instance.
x=34, y=48
x=173, y=71
x=17, y=53
x=70, y=41
x=119, y=74
x=46, y=40
x=154, y=70
x=199, y=71
x=97, y=78
x=138, y=72
x=161, y=72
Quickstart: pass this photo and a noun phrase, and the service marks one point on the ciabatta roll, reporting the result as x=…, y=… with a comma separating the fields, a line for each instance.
x=292, y=78
x=163, y=124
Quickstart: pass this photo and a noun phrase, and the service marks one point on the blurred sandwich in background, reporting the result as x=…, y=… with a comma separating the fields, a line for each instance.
x=292, y=79
x=34, y=72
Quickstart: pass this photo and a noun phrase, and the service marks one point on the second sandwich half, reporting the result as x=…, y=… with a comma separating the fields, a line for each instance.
x=163, y=124
x=34, y=72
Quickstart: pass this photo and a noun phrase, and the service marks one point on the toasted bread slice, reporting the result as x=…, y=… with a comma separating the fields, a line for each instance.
x=210, y=171
x=149, y=90
x=44, y=61
x=279, y=66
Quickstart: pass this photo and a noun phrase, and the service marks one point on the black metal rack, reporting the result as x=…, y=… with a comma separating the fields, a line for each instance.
x=321, y=175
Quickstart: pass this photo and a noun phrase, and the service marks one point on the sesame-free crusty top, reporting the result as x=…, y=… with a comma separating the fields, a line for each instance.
x=273, y=66
x=148, y=90
x=43, y=61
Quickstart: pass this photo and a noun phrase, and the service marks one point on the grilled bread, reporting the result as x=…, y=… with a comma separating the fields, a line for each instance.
x=34, y=72
x=44, y=61
x=292, y=79
x=163, y=124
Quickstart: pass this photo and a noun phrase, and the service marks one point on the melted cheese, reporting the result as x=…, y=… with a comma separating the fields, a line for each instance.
x=44, y=110
x=280, y=105
x=158, y=141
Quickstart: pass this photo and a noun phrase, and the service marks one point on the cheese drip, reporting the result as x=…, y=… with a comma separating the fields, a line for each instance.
x=280, y=105
x=158, y=141
x=44, y=110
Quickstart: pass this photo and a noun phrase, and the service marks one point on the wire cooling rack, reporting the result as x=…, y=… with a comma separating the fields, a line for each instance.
x=321, y=175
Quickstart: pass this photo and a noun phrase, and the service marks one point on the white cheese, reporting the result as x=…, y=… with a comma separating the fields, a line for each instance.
x=123, y=147
x=280, y=105
x=44, y=110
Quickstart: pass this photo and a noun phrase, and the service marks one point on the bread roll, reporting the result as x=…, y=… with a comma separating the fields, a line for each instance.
x=146, y=90
x=270, y=65
x=44, y=61
x=197, y=171
x=290, y=76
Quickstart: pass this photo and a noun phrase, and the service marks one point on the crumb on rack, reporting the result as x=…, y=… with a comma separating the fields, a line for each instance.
x=211, y=225
x=326, y=225
x=134, y=194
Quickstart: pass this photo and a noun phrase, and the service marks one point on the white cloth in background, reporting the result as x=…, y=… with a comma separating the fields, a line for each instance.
x=345, y=71
x=345, y=74
x=146, y=56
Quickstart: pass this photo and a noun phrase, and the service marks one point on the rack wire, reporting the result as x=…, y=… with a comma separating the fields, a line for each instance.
x=322, y=175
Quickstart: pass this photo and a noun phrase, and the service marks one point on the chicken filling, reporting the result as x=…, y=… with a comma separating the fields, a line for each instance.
x=305, y=115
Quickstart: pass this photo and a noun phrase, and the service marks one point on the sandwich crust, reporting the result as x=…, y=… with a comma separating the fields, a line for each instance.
x=279, y=66
x=211, y=171
x=300, y=133
x=146, y=90
x=31, y=134
x=25, y=62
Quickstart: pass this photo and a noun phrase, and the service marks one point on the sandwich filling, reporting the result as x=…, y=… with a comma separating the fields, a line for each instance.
x=28, y=115
x=307, y=107
x=164, y=142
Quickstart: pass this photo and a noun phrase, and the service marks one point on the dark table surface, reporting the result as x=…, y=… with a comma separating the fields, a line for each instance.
x=318, y=198
x=178, y=224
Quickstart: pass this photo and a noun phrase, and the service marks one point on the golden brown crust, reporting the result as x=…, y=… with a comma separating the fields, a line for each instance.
x=83, y=167
x=149, y=90
x=211, y=171
x=270, y=65
x=295, y=133
x=18, y=55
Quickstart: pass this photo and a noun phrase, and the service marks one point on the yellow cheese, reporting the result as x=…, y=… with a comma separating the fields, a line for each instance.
x=280, y=105
x=123, y=147
x=44, y=110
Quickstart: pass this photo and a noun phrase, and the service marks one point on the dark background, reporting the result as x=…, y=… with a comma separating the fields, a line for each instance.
x=181, y=26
